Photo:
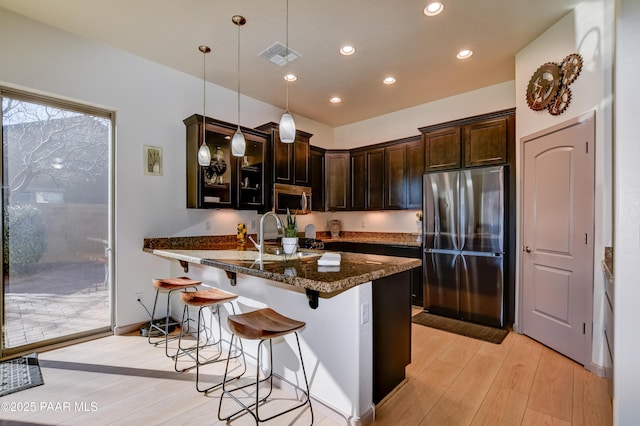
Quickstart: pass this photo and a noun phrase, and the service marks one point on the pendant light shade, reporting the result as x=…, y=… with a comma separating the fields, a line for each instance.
x=204, y=154
x=287, y=128
x=287, y=125
x=238, y=143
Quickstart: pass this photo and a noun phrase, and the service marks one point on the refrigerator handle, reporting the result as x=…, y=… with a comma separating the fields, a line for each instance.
x=462, y=210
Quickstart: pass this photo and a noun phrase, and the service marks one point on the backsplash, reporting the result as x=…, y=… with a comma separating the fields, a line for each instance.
x=224, y=222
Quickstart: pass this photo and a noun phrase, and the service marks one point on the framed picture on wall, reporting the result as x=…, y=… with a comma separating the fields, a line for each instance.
x=152, y=156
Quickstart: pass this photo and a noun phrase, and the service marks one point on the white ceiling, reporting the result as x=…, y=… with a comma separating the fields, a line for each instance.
x=392, y=37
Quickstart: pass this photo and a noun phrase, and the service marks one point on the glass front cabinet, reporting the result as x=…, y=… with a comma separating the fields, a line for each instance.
x=228, y=181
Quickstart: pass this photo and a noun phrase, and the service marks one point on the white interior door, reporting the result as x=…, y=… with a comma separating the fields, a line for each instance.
x=557, y=237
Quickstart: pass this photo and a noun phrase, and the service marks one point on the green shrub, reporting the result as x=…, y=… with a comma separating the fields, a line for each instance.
x=24, y=236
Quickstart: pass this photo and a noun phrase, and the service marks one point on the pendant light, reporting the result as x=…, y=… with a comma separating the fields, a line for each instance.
x=204, y=155
x=238, y=142
x=287, y=125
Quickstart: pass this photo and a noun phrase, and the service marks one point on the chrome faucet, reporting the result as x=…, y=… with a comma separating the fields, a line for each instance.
x=260, y=245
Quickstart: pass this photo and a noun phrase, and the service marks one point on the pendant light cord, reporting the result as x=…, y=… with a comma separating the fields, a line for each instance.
x=204, y=95
x=287, y=54
x=238, y=83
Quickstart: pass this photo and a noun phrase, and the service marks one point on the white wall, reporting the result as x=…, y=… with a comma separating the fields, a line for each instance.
x=405, y=123
x=626, y=410
x=150, y=102
x=586, y=30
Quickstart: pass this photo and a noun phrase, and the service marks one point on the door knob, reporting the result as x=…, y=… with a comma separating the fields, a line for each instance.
x=527, y=249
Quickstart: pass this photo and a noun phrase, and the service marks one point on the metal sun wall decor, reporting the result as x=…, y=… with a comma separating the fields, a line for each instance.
x=549, y=85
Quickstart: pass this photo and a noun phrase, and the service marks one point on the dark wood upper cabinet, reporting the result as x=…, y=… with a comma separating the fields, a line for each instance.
x=301, y=157
x=337, y=179
x=395, y=183
x=229, y=182
x=481, y=140
x=282, y=159
x=375, y=179
x=442, y=149
x=387, y=176
x=414, y=172
x=358, y=180
x=485, y=143
x=290, y=160
x=317, y=172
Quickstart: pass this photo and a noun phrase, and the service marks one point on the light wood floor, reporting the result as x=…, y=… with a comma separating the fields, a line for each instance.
x=452, y=380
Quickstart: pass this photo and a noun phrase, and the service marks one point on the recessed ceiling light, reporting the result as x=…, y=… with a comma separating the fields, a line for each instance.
x=433, y=8
x=291, y=77
x=335, y=100
x=347, y=50
x=389, y=80
x=464, y=54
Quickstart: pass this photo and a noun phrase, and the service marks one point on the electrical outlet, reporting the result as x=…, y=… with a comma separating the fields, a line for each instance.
x=364, y=224
x=207, y=225
x=364, y=313
x=253, y=225
x=139, y=297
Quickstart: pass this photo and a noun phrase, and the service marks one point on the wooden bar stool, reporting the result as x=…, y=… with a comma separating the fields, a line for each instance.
x=169, y=286
x=210, y=299
x=263, y=324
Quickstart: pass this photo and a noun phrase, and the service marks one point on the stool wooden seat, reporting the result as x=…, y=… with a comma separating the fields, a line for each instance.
x=210, y=296
x=168, y=285
x=263, y=325
x=210, y=299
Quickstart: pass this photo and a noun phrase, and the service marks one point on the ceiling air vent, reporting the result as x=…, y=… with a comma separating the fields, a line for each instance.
x=278, y=54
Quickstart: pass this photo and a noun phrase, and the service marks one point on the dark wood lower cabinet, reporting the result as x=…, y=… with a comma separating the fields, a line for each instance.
x=391, y=313
x=416, y=278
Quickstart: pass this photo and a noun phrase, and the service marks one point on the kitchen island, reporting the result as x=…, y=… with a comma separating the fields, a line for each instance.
x=357, y=338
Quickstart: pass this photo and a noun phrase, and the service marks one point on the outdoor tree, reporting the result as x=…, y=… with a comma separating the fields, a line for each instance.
x=50, y=147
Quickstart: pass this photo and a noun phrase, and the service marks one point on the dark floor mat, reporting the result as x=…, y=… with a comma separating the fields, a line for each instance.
x=476, y=331
x=19, y=373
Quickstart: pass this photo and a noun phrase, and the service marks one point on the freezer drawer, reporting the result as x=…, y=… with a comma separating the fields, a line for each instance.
x=441, y=277
x=481, y=289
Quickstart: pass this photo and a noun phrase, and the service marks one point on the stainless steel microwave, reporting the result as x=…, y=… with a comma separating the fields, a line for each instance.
x=296, y=198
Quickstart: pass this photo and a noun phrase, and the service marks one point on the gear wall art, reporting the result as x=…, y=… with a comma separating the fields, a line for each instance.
x=549, y=85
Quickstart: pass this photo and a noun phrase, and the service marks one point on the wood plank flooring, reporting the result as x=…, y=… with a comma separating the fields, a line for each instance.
x=452, y=380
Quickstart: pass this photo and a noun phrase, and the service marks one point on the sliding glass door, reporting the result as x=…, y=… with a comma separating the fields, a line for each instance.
x=56, y=281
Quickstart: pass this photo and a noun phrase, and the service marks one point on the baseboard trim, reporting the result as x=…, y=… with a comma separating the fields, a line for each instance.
x=328, y=410
x=126, y=329
x=596, y=369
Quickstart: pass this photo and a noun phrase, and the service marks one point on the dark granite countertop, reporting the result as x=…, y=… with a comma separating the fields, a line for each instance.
x=300, y=270
x=389, y=238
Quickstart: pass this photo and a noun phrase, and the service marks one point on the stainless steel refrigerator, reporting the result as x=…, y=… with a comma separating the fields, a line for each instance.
x=463, y=230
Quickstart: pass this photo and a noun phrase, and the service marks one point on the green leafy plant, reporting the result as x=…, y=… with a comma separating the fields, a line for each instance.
x=291, y=230
x=24, y=237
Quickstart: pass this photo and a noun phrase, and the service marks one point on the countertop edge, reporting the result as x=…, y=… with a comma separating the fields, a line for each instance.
x=297, y=281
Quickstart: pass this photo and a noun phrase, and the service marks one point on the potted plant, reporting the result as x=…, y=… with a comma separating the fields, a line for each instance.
x=290, y=239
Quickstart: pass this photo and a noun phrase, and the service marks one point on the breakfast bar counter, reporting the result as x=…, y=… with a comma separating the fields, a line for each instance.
x=299, y=269
x=357, y=339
